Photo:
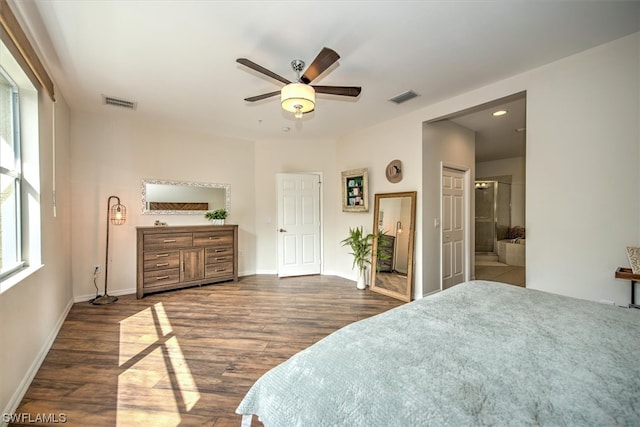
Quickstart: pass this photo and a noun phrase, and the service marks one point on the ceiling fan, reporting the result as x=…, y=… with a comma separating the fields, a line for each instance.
x=299, y=97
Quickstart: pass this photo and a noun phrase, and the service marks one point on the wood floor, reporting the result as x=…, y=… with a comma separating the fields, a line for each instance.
x=187, y=357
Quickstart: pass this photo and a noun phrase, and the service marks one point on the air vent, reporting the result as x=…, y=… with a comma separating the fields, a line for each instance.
x=404, y=97
x=116, y=102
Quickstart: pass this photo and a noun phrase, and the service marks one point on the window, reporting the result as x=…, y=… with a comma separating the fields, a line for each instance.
x=20, y=228
x=10, y=177
x=23, y=84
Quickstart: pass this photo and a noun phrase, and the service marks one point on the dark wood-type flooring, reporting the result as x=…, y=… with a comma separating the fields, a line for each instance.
x=187, y=357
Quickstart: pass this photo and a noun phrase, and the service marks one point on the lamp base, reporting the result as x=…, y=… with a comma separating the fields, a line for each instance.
x=105, y=299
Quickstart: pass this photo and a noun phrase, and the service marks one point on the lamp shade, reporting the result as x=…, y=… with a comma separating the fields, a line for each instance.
x=118, y=214
x=298, y=98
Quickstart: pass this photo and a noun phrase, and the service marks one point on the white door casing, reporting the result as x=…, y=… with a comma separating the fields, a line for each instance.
x=453, y=227
x=299, y=234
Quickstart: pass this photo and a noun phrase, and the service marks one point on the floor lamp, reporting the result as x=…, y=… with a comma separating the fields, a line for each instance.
x=116, y=215
x=395, y=244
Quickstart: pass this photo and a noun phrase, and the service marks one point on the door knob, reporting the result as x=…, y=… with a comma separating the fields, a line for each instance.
x=282, y=230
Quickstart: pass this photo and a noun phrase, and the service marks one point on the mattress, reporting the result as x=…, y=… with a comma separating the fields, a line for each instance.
x=479, y=353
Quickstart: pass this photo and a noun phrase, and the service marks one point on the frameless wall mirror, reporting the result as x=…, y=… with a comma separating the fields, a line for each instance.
x=392, y=260
x=182, y=198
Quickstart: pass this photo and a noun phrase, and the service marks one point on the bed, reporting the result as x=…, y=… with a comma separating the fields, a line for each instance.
x=479, y=353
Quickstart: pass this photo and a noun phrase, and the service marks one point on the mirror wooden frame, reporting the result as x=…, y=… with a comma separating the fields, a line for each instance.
x=403, y=292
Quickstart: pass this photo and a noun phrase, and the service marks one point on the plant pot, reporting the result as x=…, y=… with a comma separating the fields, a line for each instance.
x=217, y=221
x=362, y=279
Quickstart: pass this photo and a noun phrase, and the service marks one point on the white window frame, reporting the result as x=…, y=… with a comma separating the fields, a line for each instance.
x=27, y=171
x=16, y=174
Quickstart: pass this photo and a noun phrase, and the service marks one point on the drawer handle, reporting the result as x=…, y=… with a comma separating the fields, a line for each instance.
x=220, y=250
x=162, y=277
x=161, y=255
x=224, y=258
x=220, y=269
x=162, y=264
x=214, y=238
x=169, y=240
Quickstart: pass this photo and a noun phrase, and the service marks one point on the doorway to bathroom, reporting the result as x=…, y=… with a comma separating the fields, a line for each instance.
x=499, y=188
x=499, y=245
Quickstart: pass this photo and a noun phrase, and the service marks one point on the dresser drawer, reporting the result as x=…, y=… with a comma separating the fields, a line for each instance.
x=213, y=238
x=219, y=270
x=218, y=255
x=161, y=277
x=167, y=241
x=386, y=241
x=161, y=260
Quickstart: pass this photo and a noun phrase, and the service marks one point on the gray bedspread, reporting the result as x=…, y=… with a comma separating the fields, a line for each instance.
x=480, y=353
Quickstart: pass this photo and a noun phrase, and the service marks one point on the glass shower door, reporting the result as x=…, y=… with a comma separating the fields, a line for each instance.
x=485, y=216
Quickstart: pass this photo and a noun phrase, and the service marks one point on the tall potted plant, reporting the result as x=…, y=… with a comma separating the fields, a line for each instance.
x=360, y=245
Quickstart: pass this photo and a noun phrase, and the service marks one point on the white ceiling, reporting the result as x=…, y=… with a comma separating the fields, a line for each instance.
x=176, y=58
x=498, y=137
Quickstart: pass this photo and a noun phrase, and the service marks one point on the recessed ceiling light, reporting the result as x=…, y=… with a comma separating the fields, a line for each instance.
x=499, y=113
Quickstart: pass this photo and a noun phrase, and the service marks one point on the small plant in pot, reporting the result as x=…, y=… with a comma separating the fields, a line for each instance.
x=217, y=217
x=360, y=245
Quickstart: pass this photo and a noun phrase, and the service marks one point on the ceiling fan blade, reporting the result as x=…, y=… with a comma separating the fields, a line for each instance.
x=248, y=63
x=263, y=96
x=339, y=90
x=325, y=59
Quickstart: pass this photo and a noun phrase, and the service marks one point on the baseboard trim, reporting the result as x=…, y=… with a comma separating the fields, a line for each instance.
x=431, y=293
x=85, y=298
x=15, y=400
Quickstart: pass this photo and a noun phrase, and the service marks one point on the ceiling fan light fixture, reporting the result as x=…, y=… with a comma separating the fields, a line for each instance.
x=298, y=98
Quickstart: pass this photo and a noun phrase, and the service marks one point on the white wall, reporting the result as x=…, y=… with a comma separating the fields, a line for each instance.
x=32, y=311
x=515, y=167
x=582, y=171
x=293, y=156
x=572, y=249
x=373, y=148
x=582, y=167
x=111, y=154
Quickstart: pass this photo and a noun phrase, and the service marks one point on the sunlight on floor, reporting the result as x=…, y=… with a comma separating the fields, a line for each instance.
x=156, y=377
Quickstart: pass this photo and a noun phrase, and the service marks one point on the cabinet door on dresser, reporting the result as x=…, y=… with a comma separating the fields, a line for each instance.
x=191, y=264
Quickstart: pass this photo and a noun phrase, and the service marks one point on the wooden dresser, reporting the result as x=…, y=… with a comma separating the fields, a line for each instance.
x=180, y=256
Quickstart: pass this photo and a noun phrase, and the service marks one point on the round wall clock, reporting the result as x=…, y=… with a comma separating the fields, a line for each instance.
x=394, y=171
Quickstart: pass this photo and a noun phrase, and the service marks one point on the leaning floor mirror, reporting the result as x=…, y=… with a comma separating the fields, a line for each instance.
x=392, y=253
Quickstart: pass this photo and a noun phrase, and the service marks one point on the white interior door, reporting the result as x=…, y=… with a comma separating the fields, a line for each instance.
x=298, y=224
x=453, y=227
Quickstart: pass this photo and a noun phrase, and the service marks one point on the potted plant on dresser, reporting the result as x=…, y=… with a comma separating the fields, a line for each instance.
x=360, y=245
x=217, y=217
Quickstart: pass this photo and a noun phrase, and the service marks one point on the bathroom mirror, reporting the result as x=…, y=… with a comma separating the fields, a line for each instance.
x=392, y=253
x=182, y=197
